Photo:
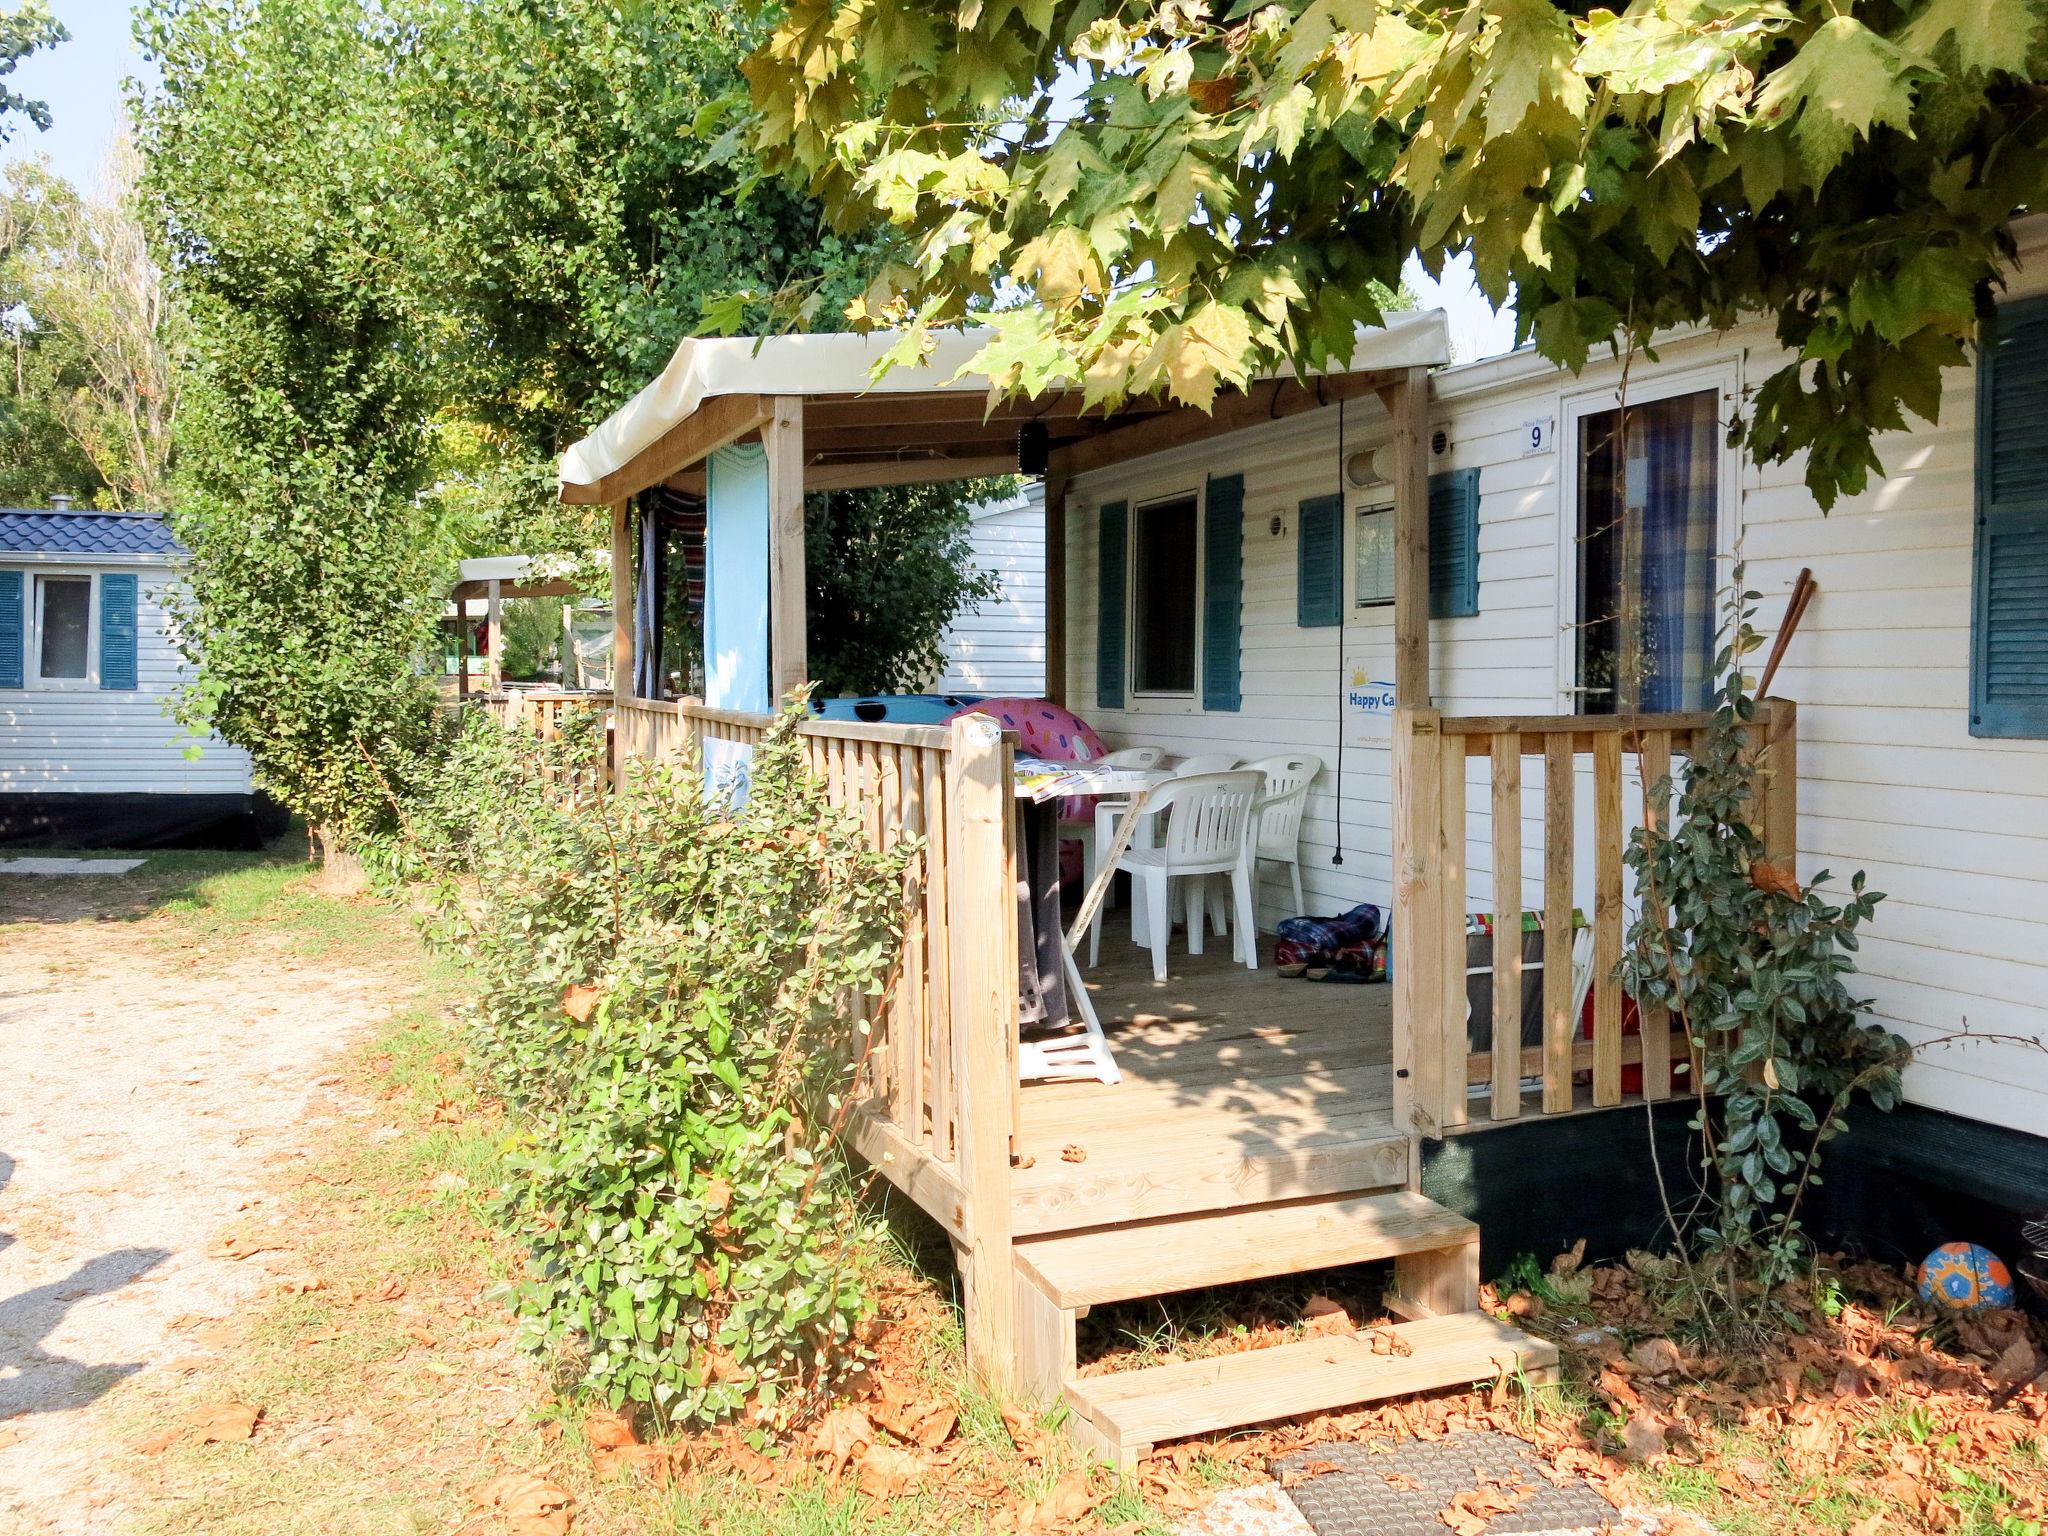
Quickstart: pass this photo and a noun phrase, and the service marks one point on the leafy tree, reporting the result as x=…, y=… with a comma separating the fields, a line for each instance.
x=891, y=569
x=424, y=244
x=1196, y=192
x=303, y=430
x=94, y=338
x=23, y=29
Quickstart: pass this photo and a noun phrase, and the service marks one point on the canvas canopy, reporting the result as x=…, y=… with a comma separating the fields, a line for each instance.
x=899, y=417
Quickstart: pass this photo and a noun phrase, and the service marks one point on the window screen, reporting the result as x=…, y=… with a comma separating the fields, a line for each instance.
x=65, y=609
x=1165, y=591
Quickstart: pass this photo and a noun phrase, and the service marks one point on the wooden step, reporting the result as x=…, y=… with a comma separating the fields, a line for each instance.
x=1125, y=1413
x=1183, y=1253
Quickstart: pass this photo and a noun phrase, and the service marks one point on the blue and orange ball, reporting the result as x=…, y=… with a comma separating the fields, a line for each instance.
x=1964, y=1277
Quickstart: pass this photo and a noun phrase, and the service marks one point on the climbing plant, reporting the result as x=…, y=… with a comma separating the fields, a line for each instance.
x=1190, y=191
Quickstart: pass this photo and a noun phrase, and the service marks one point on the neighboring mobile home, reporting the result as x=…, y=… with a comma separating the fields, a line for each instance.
x=89, y=754
x=1484, y=598
x=999, y=648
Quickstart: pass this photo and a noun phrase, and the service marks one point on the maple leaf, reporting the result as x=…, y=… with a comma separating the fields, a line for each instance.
x=1845, y=82
x=526, y=1505
x=887, y=1472
x=580, y=999
x=1989, y=34
x=223, y=1423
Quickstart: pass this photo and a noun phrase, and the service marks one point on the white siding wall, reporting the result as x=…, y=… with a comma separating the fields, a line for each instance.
x=1953, y=828
x=1001, y=648
x=92, y=742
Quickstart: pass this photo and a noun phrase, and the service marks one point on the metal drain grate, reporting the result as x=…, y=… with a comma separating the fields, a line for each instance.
x=1358, y=1499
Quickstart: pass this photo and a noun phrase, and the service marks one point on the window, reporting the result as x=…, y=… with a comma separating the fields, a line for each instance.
x=2009, y=591
x=1373, y=556
x=1649, y=499
x=63, y=628
x=1165, y=595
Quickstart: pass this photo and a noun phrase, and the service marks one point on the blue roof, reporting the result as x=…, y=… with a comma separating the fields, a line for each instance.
x=36, y=531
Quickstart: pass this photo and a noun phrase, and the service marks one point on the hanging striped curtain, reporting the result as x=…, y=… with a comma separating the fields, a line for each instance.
x=1672, y=475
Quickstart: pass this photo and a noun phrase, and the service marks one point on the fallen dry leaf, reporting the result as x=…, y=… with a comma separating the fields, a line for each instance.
x=886, y=1472
x=840, y=1437
x=162, y=1440
x=1472, y=1511
x=1768, y=877
x=1643, y=1436
x=527, y=1505
x=579, y=1001
x=1656, y=1357
x=241, y=1246
x=1294, y=1477
x=223, y=1423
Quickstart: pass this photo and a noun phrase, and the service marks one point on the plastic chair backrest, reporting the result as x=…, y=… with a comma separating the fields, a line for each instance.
x=1212, y=813
x=1207, y=762
x=1284, y=798
x=1134, y=757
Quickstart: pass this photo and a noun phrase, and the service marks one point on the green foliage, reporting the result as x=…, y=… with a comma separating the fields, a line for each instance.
x=23, y=29
x=886, y=571
x=423, y=245
x=1196, y=192
x=1758, y=977
x=662, y=989
x=302, y=429
x=90, y=399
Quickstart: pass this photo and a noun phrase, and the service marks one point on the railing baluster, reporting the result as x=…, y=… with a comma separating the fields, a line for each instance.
x=1560, y=780
x=1454, y=1024
x=1606, y=917
x=1655, y=759
x=1507, y=924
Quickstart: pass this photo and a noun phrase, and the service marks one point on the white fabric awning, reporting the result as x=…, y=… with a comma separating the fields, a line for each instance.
x=841, y=364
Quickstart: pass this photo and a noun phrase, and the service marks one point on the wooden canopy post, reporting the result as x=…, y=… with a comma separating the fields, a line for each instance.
x=622, y=602
x=1056, y=589
x=494, y=635
x=782, y=435
x=1408, y=404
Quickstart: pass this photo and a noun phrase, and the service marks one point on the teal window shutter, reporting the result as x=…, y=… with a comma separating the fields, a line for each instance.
x=1454, y=544
x=1319, y=563
x=1222, y=590
x=117, y=631
x=1112, y=557
x=2009, y=593
x=13, y=640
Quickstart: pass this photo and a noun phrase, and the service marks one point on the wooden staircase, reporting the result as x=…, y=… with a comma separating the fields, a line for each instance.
x=1444, y=1340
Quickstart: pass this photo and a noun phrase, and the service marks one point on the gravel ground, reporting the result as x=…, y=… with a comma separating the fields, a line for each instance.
x=150, y=1092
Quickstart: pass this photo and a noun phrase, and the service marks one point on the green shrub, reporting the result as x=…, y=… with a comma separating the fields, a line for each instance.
x=1757, y=969
x=664, y=989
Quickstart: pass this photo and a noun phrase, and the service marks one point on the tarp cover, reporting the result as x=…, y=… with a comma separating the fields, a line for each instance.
x=841, y=364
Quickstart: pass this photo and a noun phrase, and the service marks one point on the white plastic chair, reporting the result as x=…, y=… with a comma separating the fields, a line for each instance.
x=1280, y=807
x=1108, y=813
x=1088, y=830
x=1208, y=833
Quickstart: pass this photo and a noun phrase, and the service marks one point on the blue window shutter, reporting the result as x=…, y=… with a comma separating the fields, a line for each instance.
x=2009, y=596
x=12, y=636
x=1222, y=590
x=1112, y=557
x=117, y=631
x=1454, y=544
x=1319, y=564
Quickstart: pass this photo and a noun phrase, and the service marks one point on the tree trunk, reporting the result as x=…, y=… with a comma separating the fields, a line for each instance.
x=341, y=868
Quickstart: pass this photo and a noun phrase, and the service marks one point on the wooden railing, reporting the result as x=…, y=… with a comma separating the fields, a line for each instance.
x=1626, y=759
x=938, y=1108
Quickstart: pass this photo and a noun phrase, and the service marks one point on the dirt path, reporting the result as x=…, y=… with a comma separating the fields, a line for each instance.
x=152, y=1088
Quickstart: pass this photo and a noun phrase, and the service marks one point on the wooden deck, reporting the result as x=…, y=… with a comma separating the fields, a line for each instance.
x=1239, y=1087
